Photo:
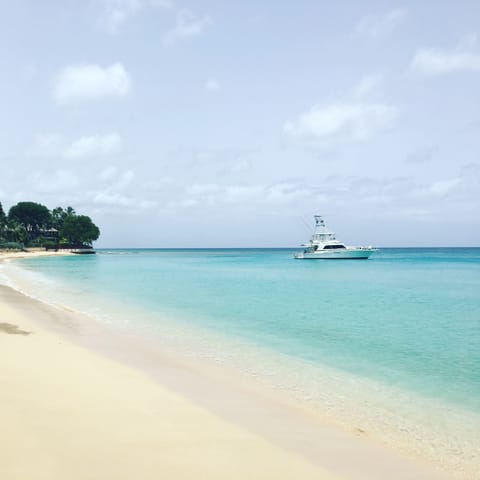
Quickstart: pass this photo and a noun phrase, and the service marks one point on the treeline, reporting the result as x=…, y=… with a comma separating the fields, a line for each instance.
x=30, y=224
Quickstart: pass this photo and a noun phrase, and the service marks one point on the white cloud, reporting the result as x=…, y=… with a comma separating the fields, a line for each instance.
x=30, y=71
x=187, y=25
x=422, y=155
x=213, y=194
x=116, y=180
x=241, y=165
x=95, y=145
x=367, y=85
x=242, y=193
x=442, y=187
x=53, y=181
x=287, y=192
x=113, y=14
x=245, y=195
x=432, y=61
x=113, y=194
x=158, y=184
x=54, y=145
x=379, y=25
x=75, y=83
x=46, y=145
x=471, y=174
x=186, y=203
x=108, y=173
x=146, y=204
x=113, y=199
x=203, y=189
x=342, y=121
x=212, y=85
x=124, y=180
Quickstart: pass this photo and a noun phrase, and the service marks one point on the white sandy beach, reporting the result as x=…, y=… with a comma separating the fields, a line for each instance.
x=30, y=253
x=68, y=412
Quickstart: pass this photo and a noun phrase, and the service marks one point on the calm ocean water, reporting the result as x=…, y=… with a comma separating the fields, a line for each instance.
x=406, y=321
x=406, y=317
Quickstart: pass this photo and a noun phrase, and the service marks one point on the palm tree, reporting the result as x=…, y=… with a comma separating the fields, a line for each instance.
x=59, y=215
x=16, y=232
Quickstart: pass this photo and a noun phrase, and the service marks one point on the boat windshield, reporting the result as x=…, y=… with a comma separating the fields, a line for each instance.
x=323, y=237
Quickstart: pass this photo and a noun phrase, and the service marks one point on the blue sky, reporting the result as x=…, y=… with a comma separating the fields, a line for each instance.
x=215, y=123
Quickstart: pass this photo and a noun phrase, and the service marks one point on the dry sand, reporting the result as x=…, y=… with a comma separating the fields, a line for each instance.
x=67, y=412
x=6, y=254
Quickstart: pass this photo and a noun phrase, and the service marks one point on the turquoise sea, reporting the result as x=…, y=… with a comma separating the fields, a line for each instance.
x=404, y=324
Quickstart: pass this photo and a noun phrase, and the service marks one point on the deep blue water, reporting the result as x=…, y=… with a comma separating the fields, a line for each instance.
x=406, y=317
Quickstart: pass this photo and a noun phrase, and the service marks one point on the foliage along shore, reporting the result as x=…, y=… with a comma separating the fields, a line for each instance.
x=30, y=224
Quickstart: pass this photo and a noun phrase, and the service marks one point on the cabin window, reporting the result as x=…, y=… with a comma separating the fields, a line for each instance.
x=332, y=247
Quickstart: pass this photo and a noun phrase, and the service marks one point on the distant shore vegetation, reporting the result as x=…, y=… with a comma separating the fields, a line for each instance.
x=31, y=224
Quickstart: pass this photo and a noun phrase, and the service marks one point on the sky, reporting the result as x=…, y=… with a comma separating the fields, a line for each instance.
x=231, y=123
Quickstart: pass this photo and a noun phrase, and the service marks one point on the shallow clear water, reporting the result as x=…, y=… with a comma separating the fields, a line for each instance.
x=408, y=318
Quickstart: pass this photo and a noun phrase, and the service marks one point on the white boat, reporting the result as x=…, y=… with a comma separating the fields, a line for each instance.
x=324, y=245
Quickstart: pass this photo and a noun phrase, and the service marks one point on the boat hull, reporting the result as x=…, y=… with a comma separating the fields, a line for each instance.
x=347, y=254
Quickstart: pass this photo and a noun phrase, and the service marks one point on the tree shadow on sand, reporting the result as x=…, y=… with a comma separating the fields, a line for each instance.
x=12, y=329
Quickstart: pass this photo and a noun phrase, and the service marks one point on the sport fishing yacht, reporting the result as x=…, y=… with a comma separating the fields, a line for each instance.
x=324, y=245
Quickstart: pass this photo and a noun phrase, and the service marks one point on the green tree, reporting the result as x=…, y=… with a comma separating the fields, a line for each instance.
x=59, y=215
x=3, y=217
x=79, y=229
x=33, y=216
x=3, y=222
x=16, y=232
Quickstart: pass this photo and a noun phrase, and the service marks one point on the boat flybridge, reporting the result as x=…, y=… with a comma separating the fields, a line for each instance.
x=324, y=245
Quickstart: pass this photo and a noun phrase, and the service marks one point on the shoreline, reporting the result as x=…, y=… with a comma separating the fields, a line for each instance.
x=284, y=425
x=70, y=413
